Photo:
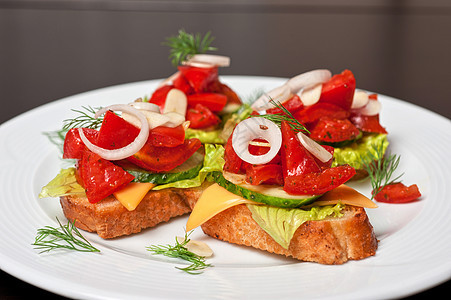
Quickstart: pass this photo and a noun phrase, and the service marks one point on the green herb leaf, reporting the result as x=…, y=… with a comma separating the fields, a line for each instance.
x=86, y=119
x=179, y=250
x=62, y=237
x=186, y=44
x=284, y=116
x=380, y=168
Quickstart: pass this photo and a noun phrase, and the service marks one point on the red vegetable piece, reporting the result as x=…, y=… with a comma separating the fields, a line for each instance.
x=318, y=183
x=180, y=82
x=164, y=159
x=163, y=136
x=232, y=161
x=101, y=177
x=398, y=193
x=296, y=159
x=264, y=174
x=201, y=117
x=232, y=97
x=293, y=105
x=159, y=96
x=318, y=110
x=213, y=101
x=115, y=132
x=333, y=130
x=73, y=145
x=199, y=78
x=367, y=123
x=339, y=90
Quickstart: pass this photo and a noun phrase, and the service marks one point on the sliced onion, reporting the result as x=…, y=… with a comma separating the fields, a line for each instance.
x=217, y=60
x=130, y=149
x=145, y=106
x=314, y=148
x=197, y=64
x=256, y=128
x=360, y=99
x=372, y=108
x=279, y=94
x=311, y=95
x=176, y=101
x=308, y=79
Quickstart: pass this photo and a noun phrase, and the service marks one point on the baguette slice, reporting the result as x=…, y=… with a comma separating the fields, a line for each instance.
x=330, y=241
x=110, y=219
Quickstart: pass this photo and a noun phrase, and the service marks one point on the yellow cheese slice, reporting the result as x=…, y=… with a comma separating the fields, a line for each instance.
x=345, y=195
x=213, y=200
x=132, y=194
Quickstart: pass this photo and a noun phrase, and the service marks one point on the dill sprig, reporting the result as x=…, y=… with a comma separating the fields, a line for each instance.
x=179, y=250
x=62, y=237
x=186, y=44
x=86, y=119
x=285, y=115
x=380, y=168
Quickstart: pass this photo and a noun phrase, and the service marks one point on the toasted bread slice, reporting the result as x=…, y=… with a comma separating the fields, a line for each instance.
x=110, y=219
x=330, y=241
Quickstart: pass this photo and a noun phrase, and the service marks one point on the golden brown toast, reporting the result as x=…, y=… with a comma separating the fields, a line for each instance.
x=110, y=219
x=330, y=241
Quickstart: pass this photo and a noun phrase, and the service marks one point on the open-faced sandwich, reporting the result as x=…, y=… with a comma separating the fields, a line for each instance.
x=279, y=192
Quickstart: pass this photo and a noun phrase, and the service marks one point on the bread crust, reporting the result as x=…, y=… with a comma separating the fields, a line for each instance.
x=110, y=219
x=330, y=241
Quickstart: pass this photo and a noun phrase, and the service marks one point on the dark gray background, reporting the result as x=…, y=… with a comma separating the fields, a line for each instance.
x=53, y=49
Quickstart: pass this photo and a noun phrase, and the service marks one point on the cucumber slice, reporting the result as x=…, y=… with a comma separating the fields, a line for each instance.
x=267, y=194
x=189, y=169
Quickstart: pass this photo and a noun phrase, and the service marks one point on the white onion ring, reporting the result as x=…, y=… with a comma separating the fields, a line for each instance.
x=128, y=150
x=372, y=108
x=279, y=94
x=308, y=79
x=217, y=60
x=145, y=106
x=256, y=128
x=314, y=148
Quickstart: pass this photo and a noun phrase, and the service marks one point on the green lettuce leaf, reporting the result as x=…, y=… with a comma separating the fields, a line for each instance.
x=65, y=183
x=355, y=153
x=213, y=161
x=206, y=137
x=282, y=223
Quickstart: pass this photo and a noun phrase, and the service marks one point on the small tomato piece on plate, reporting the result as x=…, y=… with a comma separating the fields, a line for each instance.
x=398, y=193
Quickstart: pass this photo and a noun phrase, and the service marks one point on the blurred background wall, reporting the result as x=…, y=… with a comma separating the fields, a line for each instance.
x=52, y=49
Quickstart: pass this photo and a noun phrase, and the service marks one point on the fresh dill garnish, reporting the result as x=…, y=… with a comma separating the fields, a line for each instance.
x=380, y=168
x=179, y=250
x=186, y=44
x=86, y=119
x=285, y=115
x=62, y=237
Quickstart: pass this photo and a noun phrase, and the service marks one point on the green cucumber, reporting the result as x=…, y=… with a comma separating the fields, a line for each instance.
x=268, y=194
x=189, y=169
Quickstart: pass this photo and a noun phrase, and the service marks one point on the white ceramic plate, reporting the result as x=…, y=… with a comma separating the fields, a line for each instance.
x=415, y=239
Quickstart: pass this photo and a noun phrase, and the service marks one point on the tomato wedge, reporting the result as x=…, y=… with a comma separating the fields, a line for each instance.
x=398, y=193
x=101, y=177
x=232, y=161
x=182, y=84
x=339, y=90
x=115, y=132
x=163, y=136
x=159, y=96
x=213, y=101
x=199, y=78
x=201, y=117
x=329, y=130
x=264, y=174
x=317, y=111
x=163, y=159
x=73, y=145
x=293, y=105
x=318, y=183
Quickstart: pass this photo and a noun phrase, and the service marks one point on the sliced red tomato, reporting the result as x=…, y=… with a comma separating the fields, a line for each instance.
x=115, y=132
x=163, y=159
x=73, y=145
x=398, y=193
x=163, y=136
x=339, y=90
x=293, y=105
x=201, y=117
x=264, y=174
x=333, y=131
x=317, y=111
x=232, y=97
x=213, y=101
x=232, y=161
x=199, y=78
x=367, y=123
x=159, y=96
x=180, y=82
x=101, y=177
x=295, y=158
x=318, y=183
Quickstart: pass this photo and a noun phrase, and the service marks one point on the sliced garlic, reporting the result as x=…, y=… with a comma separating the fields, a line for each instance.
x=197, y=247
